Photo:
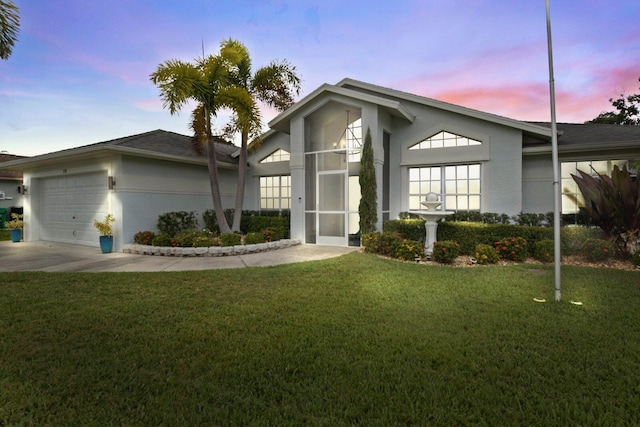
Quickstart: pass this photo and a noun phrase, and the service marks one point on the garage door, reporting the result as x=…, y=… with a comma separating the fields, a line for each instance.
x=69, y=204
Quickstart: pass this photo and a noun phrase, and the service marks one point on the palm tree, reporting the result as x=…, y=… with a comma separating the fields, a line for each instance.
x=275, y=85
x=207, y=82
x=9, y=27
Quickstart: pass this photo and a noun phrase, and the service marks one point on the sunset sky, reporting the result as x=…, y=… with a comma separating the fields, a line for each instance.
x=79, y=73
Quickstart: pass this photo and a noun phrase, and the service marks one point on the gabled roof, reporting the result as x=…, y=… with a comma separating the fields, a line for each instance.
x=281, y=122
x=394, y=101
x=157, y=144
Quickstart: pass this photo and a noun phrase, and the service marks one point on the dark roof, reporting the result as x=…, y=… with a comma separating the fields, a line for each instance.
x=595, y=135
x=7, y=174
x=171, y=143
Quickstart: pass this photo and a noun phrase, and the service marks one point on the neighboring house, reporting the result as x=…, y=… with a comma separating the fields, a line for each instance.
x=135, y=178
x=309, y=162
x=10, y=187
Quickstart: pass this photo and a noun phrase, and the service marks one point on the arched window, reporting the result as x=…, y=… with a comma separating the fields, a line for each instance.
x=279, y=155
x=444, y=140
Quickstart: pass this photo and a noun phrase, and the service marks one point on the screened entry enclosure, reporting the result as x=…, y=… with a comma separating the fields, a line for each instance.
x=332, y=164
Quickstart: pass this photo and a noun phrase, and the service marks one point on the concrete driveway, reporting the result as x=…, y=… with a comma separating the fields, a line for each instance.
x=61, y=257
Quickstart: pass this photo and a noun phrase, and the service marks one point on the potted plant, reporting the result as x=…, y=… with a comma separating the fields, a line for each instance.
x=16, y=225
x=106, y=233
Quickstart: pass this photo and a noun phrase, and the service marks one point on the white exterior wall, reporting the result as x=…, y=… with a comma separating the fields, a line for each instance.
x=500, y=156
x=147, y=188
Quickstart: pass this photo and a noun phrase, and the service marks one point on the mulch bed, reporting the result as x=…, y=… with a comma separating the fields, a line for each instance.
x=467, y=261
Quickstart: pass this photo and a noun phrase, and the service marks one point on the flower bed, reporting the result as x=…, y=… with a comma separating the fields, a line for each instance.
x=212, y=251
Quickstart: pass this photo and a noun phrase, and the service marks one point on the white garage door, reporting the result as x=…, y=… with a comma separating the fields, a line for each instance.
x=69, y=204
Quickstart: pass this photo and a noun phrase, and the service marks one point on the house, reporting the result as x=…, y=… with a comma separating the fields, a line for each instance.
x=308, y=163
x=472, y=159
x=135, y=178
x=10, y=189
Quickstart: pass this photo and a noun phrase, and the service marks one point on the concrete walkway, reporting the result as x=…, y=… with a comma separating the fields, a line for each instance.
x=61, y=257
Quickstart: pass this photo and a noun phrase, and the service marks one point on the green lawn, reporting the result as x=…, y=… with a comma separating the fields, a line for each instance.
x=355, y=340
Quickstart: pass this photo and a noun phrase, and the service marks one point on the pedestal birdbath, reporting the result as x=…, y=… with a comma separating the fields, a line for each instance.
x=431, y=216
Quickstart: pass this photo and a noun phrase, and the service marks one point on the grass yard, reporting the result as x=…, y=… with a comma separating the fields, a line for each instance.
x=356, y=340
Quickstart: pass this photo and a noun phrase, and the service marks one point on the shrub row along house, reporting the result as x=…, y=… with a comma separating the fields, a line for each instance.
x=309, y=161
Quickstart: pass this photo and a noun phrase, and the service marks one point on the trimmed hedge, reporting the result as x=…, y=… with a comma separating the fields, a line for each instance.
x=470, y=234
x=412, y=228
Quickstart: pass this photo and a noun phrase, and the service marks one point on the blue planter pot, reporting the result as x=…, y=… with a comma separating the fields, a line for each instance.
x=16, y=236
x=106, y=244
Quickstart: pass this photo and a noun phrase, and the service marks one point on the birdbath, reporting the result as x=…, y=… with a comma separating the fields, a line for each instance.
x=431, y=216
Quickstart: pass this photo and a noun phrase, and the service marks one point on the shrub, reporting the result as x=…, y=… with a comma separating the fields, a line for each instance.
x=412, y=228
x=371, y=242
x=512, y=248
x=595, y=250
x=409, y=250
x=445, y=252
x=230, y=239
x=272, y=234
x=161, y=240
x=543, y=250
x=635, y=259
x=184, y=239
x=144, y=237
x=389, y=244
x=172, y=223
x=202, y=242
x=254, y=238
x=573, y=238
x=486, y=254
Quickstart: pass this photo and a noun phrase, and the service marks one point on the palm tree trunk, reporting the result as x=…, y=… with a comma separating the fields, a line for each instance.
x=242, y=172
x=215, y=187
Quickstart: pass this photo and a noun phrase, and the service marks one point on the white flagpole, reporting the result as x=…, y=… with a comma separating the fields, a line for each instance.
x=556, y=165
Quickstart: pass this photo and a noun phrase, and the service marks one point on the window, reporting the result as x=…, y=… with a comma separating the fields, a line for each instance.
x=458, y=186
x=444, y=140
x=275, y=192
x=353, y=135
x=277, y=156
x=571, y=197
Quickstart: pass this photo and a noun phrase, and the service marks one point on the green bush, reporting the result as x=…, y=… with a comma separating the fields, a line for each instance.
x=596, y=250
x=445, y=252
x=411, y=228
x=543, y=250
x=230, y=239
x=389, y=243
x=254, y=238
x=482, y=217
x=512, y=248
x=278, y=226
x=272, y=234
x=486, y=254
x=371, y=242
x=409, y=250
x=144, y=237
x=172, y=223
x=573, y=238
x=635, y=259
x=202, y=242
x=161, y=240
x=184, y=239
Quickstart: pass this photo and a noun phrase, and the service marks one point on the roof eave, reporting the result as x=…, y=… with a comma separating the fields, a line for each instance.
x=102, y=150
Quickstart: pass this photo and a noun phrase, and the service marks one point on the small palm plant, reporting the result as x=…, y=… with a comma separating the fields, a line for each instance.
x=105, y=227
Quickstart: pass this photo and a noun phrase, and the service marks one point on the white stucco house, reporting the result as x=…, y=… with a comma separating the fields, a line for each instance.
x=308, y=163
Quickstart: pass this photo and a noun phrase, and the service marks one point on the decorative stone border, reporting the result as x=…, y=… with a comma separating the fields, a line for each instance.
x=210, y=251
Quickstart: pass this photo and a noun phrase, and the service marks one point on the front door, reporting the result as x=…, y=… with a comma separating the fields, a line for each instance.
x=331, y=220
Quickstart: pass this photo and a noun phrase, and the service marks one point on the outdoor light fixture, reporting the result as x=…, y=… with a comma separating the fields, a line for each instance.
x=22, y=189
x=111, y=182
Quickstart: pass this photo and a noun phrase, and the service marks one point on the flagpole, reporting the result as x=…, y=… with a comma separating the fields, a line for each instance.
x=556, y=166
